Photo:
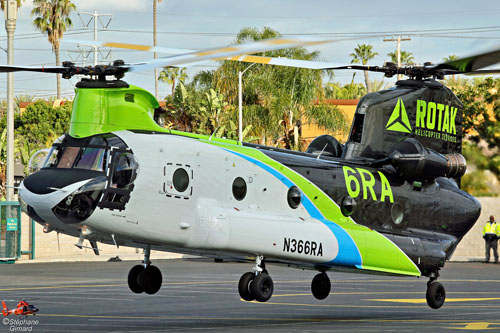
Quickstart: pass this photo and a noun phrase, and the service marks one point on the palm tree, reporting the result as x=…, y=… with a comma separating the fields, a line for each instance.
x=52, y=18
x=172, y=75
x=362, y=54
x=2, y=3
x=451, y=57
x=155, y=4
x=406, y=58
x=277, y=100
x=379, y=85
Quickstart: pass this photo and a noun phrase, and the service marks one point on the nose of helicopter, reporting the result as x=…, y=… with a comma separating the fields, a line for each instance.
x=43, y=193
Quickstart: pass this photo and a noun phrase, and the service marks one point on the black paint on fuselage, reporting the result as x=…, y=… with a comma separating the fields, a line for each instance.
x=435, y=216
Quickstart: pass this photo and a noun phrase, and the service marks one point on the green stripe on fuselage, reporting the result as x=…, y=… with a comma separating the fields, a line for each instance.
x=377, y=252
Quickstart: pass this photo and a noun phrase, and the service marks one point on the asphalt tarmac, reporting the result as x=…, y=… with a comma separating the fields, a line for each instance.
x=200, y=295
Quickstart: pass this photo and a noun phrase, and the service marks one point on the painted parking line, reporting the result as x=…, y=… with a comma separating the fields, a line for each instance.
x=421, y=300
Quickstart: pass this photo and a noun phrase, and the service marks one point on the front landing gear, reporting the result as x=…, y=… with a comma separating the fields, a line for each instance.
x=145, y=278
x=256, y=285
x=436, y=293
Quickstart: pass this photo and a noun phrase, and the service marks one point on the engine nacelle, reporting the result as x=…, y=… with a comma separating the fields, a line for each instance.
x=416, y=162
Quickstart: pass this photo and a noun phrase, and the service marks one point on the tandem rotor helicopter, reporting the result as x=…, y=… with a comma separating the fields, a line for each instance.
x=388, y=201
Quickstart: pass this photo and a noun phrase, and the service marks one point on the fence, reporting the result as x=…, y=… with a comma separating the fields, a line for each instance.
x=10, y=233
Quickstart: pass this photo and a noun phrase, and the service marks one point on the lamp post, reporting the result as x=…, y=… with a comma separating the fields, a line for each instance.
x=240, y=103
x=10, y=27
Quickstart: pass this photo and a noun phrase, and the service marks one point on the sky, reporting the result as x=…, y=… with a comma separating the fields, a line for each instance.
x=437, y=29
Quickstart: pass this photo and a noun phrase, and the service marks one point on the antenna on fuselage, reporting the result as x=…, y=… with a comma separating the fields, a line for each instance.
x=322, y=150
x=210, y=138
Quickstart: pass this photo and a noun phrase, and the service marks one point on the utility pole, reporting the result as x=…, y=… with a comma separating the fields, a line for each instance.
x=398, y=49
x=155, y=5
x=10, y=27
x=240, y=102
x=95, y=17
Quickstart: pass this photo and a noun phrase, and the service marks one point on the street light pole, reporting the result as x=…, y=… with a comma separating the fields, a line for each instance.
x=10, y=27
x=240, y=103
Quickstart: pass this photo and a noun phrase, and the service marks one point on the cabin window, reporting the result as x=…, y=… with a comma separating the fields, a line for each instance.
x=180, y=179
x=294, y=197
x=239, y=188
x=357, y=127
x=348, y=206
x=125, y=170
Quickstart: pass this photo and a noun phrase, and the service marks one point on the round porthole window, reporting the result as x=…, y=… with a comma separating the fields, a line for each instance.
x=348, y=206
x=294, y=196
x=239, y=188
x=180, y=180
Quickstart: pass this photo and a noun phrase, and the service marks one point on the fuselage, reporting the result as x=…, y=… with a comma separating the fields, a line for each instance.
x=198, y=196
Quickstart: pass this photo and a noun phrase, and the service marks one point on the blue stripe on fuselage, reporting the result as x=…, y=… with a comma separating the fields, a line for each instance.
x=348, y=254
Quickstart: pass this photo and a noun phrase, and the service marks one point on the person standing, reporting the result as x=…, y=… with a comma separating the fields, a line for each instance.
x=491, y=233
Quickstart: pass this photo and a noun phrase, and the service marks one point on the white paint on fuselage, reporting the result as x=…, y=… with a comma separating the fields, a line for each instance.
x=210, y=219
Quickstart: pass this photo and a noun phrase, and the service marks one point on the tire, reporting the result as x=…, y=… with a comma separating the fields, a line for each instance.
x=435, y=295
x=262, y=287
x=150, y=280
x=218, y=260
x=244, y=286
x=321, y=286
x=133, y=279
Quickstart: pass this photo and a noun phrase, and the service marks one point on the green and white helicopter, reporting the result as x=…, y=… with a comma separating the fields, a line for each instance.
x=388, y=201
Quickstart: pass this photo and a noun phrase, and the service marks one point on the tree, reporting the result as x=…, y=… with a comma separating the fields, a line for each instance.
x=155, y=4
x=38, y=127
x=52, y=18
x=406, y=58
x=277, y=100
x=451, y=57
x=362, y=54
x=453, y=81
x=203, y=79
x=172, y=75
x=481, y=102
x=2, y=3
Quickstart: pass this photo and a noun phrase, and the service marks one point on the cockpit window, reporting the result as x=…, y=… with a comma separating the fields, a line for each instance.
x=68, y=157
x=92, y=153
x=92, y=159
x=88, y=158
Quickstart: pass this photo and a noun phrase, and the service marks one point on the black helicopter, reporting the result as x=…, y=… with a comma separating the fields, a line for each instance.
x=388, y=201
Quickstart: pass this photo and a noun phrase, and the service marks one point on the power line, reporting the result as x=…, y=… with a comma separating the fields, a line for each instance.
x=97, y=19
x=465, y=30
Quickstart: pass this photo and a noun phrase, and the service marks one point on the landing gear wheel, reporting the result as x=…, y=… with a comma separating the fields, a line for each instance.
x=262, y=287
x=244, y=286
x=133, y=279
x=435, y=295
x=321, y=286
x=150, y=280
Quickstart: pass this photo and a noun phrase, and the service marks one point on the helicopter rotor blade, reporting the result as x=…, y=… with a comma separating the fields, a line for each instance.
x=43, y=69
x=119, y=68
x=472, y=63
x=281, y=61
x=228, y=52
x=128, y=46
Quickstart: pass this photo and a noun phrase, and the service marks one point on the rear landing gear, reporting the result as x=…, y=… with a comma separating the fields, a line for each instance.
x=321, y=286
x=257, y=285
x=436, y=293
x=145, y=278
